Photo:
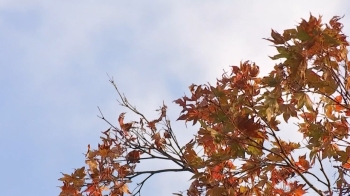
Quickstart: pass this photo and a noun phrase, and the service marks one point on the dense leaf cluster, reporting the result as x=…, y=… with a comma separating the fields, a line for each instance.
x=238, y=149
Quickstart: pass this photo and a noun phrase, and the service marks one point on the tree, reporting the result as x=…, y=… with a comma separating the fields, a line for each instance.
x=238, y=149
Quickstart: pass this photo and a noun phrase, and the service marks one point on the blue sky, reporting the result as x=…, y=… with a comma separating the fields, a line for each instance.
x=54, y=56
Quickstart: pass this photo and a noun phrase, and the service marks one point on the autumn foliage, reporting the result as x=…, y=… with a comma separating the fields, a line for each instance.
x=239, y=147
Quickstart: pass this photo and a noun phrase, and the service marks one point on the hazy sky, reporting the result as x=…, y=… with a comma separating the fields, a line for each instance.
x=54, y=56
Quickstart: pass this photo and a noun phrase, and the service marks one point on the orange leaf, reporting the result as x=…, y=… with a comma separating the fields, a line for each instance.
x=303, y=162
x=91, y=188
x=299, y=191
x=216, y=172
x=338, y=99
x=338, y=108
x=308, y=116
x=346, y=165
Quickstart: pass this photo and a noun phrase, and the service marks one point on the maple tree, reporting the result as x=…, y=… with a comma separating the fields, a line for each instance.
x=238, y=149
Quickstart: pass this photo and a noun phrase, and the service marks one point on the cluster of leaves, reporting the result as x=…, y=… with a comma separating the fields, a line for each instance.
x=113, y=165
x=238, y=149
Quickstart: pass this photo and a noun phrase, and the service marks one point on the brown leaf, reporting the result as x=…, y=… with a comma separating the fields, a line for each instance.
x=133, y=156
x=277, y=38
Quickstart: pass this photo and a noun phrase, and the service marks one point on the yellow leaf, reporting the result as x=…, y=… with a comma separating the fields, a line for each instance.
x=125, y=189
x=243, y=189
x=329, y=111
x=308, y=103
x=92, y=164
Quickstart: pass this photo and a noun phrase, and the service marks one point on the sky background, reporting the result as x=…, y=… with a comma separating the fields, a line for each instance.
x=54, y=56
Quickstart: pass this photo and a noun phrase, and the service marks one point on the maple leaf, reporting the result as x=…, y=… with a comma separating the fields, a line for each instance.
x=125, y=189
x=303, y=163
x=158, y=140
x=133, y=156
